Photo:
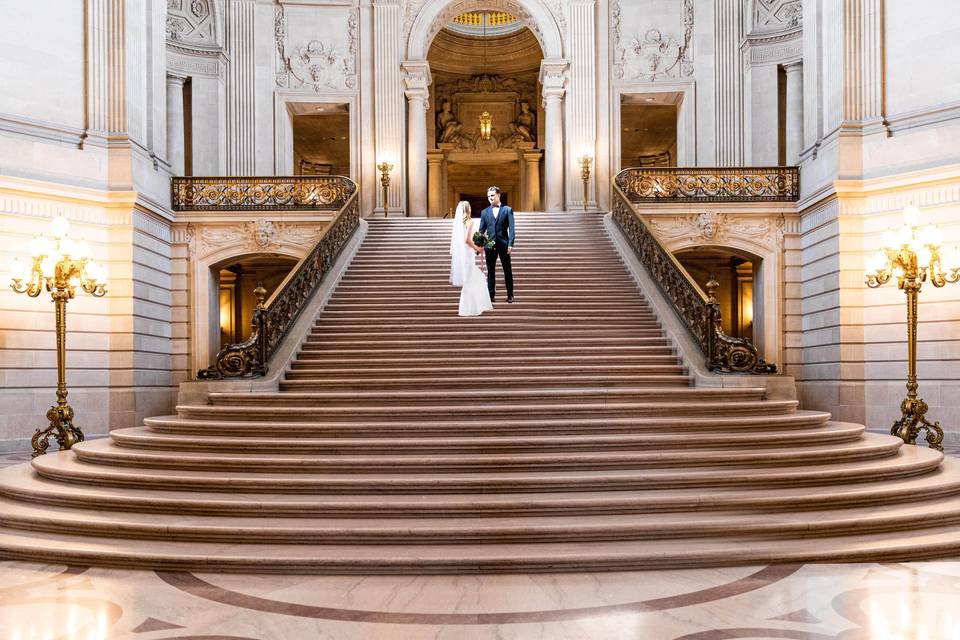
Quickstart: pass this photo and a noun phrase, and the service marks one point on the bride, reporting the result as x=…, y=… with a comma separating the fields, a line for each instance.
x=464, y=272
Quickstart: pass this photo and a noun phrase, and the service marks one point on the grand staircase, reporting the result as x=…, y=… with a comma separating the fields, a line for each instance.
x=557, y=433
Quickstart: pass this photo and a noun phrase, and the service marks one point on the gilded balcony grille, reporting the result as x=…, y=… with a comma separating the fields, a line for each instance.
x=699, y=312
x=274, y=318
x=276, y=193
x=683, y=184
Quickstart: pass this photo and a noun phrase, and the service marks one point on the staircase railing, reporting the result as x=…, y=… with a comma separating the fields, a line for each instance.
x=273, y=318
x=699, y=311
x=271, y=193
x=727, y=184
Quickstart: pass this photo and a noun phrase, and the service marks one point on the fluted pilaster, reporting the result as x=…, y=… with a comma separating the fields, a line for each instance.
x=728, y=34
x=389, y=107
x=241, y=124
x=106, y=111
x=794, y=73
x=553, y=81
x=581, y=99
x=175, y=129
x=863, y=64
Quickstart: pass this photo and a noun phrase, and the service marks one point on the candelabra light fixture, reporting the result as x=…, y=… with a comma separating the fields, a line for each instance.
x=911, y=254
x=60, y=265
x=585, y=162
x=385, y=168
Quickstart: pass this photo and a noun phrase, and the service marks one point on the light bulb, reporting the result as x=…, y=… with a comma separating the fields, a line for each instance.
x=59, y=227
x=877, y=262
x=904, y=236
x=18, y=270
x=36, y=247
x=923, y=257
x=82, y=250
x=911, y=215
x=47, y=266
x=953, y=258
x=898, y=272
x=889, y=239
x=928, y=235
x=67, y=247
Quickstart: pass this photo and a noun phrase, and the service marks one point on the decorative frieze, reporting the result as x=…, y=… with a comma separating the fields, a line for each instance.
x=656, y=53
x=711, y=227
x=317, y=64
x=192, y=22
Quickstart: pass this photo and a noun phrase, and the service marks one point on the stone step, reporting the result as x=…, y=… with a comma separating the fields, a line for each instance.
x=649, y=356
x=528, y=425
x=319, y=380
x=145, y=438
x=22, y=483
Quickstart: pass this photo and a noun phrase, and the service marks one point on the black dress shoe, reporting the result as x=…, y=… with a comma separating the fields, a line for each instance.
x=510, y=299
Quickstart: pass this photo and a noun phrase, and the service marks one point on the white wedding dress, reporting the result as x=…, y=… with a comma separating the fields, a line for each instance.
x=474, y=297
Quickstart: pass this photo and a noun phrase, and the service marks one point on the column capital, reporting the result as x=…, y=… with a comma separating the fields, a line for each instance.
x=553, y=76
x=176, y=78
x=416, y=75
x=793, y=67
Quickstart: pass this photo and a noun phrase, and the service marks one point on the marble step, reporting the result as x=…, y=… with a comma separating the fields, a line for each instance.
x=320, y=380
x=660, y=356
x=21, y=483
x=145, y=438
x=487, y=397
x=107, y=453
x=530, y=425
x=467, y=333
x=875, y=464
x=414, y=531
x=531, y=324
x=247, y=557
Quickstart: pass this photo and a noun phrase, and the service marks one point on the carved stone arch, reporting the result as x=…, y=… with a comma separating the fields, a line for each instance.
x=195, y=24
x=534, y=14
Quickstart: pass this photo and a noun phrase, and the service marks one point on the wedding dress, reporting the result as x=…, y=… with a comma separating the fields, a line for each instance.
x=474, y=296
x=459, y=251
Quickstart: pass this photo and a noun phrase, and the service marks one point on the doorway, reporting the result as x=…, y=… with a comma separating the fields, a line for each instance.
x=648, y=130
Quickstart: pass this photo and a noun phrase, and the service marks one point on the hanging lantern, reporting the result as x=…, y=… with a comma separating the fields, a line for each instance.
x=486, y=125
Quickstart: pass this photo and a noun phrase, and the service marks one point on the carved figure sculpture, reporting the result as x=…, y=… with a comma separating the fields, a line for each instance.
x=448, y=127
x=525, y=126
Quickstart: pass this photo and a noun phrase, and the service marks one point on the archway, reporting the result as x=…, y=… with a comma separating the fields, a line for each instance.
x=540, y=21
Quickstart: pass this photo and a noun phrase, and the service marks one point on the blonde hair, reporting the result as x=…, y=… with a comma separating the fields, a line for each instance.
x=466, y=211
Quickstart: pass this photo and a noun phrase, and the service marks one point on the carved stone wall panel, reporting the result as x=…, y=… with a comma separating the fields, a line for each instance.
x=776, y=15
x=253, y=236
x=192, y=22
x=716, y=228
x=652, y=40
x=316, y=47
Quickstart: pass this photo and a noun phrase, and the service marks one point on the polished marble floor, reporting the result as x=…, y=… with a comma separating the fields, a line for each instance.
x=897, y=601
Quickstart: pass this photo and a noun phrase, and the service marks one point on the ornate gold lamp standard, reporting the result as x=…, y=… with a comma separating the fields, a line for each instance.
x=911, y=254
x=585, y=162
x=385, y=168
x=59, y=266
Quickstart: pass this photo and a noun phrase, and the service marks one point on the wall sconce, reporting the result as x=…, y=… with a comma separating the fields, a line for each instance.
x=385, y=168
x=59, y=266
x=585, y=162
x=486, y=125
x=911, y=254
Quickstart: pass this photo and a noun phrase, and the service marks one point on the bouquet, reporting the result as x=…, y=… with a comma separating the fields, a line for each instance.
x=483, y=240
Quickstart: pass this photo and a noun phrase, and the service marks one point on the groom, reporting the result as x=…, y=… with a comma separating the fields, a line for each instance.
x=497, y=222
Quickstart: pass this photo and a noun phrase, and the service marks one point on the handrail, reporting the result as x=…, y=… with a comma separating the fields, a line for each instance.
x=273, y=318
x=710, y=184
x=699, y=312
x=263, y=193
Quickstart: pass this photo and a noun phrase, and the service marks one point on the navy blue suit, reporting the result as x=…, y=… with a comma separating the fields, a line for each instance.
x=502, y=231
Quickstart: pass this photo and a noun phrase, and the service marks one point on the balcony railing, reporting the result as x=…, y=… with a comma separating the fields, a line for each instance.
x=273, y=318
x=278, y=193
x=680, y=184
x=699, y=312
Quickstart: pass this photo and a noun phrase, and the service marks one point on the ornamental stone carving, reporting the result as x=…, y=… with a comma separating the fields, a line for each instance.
x=710, y=227
x=204, y=239
x=777, y=15
x=655, y=54
x=316, y=64
x=191, y=22
x=263, y=233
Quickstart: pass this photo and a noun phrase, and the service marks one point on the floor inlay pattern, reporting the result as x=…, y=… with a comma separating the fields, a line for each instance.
x=915, y=601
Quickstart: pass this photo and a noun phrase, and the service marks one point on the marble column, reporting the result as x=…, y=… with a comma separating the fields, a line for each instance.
x=794, y=73
x=417, y=80
x=553, y=79
x=388, y=105
x=435, y=184
x=531, y=180
x=175, y=124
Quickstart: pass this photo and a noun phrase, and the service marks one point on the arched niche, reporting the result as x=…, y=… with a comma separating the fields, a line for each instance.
x=534, y=14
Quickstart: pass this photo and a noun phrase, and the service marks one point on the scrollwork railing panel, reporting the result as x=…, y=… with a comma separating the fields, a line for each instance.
x=743, y=184
x=273, y=319
x=699, y=312
x=281, y=193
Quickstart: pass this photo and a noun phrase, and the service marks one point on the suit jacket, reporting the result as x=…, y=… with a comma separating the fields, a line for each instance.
x=502, y=227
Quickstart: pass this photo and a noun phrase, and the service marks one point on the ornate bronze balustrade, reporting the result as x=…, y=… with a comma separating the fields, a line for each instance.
x=770, y=184
x=699, y=312
x=276, y=193
x=273, y=318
